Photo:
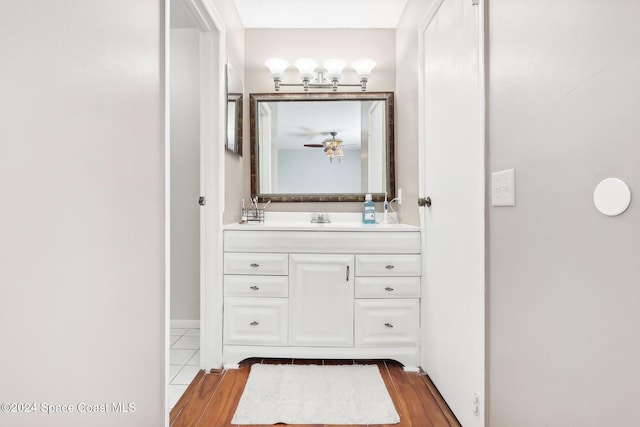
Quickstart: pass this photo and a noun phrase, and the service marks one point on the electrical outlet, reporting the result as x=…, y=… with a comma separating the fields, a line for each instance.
x=503, y=188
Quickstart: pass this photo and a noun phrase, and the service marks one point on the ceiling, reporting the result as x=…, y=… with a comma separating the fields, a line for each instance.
x=320, y=14
x=310, y=122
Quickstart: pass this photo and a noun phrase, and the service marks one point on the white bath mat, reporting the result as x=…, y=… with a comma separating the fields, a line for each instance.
x=315, y=394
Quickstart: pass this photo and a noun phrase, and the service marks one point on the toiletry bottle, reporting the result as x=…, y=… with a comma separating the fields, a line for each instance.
x=368, y=210
x=243, y=220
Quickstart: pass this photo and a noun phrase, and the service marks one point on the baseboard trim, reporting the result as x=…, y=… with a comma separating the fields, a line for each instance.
x=184, y=324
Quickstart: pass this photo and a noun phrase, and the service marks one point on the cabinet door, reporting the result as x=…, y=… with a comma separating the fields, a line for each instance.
x=321, y=292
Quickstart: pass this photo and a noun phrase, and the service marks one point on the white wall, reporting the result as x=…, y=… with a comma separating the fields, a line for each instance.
x=307, y=170
x=563, y=293
x=185, y=174
x=235, y=172
x=82, y=209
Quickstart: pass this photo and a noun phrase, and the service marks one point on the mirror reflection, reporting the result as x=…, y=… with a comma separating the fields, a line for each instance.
x=234, y=123
x=234, y=89
x=322, y=147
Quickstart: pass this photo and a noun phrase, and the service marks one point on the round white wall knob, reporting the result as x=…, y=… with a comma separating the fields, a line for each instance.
x=612, y=196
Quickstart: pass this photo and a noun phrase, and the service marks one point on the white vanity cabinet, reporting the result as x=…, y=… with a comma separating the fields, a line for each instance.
x=325, y=293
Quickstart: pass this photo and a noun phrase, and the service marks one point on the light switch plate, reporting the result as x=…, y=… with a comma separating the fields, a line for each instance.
x=503, y=188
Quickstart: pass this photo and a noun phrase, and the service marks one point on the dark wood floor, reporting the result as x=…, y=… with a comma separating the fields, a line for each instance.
x=211, y=399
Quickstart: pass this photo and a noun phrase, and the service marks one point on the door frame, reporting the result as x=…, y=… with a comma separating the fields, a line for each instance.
x=212, y=135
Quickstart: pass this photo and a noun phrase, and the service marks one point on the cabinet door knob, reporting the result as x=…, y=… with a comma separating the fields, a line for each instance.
x=388, y=325
x=388, y=289
x=255, y=288
x=254, y=265
x=254, y=323
x=389, y=267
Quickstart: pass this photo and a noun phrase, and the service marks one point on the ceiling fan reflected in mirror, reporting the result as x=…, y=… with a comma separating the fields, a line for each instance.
x=311, y=133
x=332, y=146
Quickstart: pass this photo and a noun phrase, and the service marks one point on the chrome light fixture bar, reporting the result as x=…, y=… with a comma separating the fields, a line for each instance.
x=315, y=77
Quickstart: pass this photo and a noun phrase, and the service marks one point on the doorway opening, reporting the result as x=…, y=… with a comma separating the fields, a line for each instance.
x=194, y=116
x=184, y=116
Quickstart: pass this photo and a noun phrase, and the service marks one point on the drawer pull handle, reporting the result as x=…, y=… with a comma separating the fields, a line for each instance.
x=348, y=273
x=254, y=287
x=388, y=325
x=389, y=267
x=254, y=323
x=388, y=289
x=254, y=265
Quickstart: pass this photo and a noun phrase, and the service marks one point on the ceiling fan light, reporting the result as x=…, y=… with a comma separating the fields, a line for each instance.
x=306, y=67
x=277, y=66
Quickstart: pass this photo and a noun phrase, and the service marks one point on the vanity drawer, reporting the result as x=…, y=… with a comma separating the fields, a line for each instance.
x=388, y=265
x=256, y=286
x=255, y=321
x=387, y=322
x=256, y=263
x=387, y=287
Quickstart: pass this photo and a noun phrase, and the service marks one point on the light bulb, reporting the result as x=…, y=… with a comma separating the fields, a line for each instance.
x=306, y=67
x=363, y=67
x=277, y=66
x=334, y=68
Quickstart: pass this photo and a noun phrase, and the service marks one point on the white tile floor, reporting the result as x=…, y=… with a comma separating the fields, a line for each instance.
x=184, y=359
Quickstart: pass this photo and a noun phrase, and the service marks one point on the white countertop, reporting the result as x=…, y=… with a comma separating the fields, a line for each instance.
x=301, y=221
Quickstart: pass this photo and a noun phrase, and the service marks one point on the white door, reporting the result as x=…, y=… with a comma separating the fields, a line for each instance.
x=321, y=294
x=453, y=226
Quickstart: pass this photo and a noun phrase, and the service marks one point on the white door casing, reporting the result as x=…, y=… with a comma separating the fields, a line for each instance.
x=452, y=176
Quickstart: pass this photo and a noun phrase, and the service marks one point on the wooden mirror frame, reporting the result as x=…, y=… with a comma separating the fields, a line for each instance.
x=254, y=98
x=235, y=122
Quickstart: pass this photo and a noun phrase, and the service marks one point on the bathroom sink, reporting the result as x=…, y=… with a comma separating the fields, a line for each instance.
x=340, y=221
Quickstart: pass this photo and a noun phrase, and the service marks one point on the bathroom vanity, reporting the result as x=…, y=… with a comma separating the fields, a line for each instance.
x=343, y=290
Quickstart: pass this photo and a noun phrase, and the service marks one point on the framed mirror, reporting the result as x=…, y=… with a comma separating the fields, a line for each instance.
x=234, y=123
x=233, y=141
x=322, y=147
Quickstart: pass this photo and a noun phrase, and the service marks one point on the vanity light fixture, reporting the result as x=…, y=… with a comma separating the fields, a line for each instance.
x=326, y=76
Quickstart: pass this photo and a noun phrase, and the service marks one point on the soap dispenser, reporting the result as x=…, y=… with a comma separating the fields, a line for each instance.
x=368, y=210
